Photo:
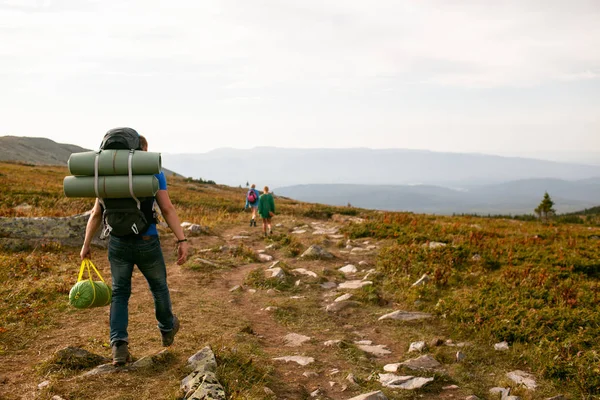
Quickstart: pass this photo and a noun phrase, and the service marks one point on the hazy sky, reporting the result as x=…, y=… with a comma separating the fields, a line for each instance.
x=505, y=76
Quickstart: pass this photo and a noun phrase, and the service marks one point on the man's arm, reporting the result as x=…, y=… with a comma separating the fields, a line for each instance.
x=170, y=214
x=90, y=230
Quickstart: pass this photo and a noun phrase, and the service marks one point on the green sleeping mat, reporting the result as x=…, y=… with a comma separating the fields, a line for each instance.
x=114, y=162
x=110, y=187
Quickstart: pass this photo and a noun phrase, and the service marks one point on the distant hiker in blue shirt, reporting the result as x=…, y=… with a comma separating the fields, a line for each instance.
x=252, y=201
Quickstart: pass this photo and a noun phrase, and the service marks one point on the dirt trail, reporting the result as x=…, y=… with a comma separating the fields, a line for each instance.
x=213, y=315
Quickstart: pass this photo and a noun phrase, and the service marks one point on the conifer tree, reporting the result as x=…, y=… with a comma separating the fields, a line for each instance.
x=544, y=210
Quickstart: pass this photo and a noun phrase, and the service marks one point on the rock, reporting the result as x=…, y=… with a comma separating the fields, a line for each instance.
x=202, y=383
x=330, y=343
x=341, y=305
x=207, y=262
x=343, y=297
x=316, y=251
x=105, y=369
x=365, y=342
x=329, y=285
x=377, y=350
x=351, y=378
x=295, y=339
x=377, y=395
x=391, y=367
x=265, y=257
x=18, y=234
x=306, y=272
x=277, y=273
x=503, y=392
x=403, y=382
x=354, y=284
x=236, y=288
x=276, y=263
x=77, y=358
x=559, y=397
x=451, y=387
x=363, y=263
x=435, y=342
x=271, y=308
x=310, y=374
x=239, y=237
x=476, y=258
x=315, y=393
x=299, y=232
x=422, y=281
x=416, y=346
x=268, y=391
x=297, y=359
x=357, y=250
x=348, y=269
x=423, y=362
x=472, y=397
x=194, y=229
x=434, y=245
x=502, y=346
x=336, y=236
x=405, y=316
x=522, y=378
x=460, y=356
x=56, y=398
x=43, y=385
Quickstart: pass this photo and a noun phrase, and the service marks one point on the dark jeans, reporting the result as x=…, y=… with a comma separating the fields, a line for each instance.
x=145, y=252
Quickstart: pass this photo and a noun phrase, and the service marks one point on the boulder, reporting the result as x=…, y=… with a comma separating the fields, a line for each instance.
x=316, y=251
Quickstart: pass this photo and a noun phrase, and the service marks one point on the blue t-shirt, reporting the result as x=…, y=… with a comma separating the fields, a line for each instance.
x=162, y=185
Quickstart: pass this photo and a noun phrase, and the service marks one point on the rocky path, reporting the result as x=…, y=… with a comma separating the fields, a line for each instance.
x=307, y=317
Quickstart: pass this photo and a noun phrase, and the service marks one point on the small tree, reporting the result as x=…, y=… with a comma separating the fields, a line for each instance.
x=545, y=210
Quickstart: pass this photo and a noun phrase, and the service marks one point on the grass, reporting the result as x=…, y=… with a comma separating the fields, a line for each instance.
x=535, y=285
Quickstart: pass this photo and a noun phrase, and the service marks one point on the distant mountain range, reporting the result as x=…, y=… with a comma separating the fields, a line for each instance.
x=394, y=179
x=278, y=167
x=515, y=197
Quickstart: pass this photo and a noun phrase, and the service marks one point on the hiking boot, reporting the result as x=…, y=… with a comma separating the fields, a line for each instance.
x=251, y=222
x=254, y=222
x=168, y=337
x=120, y=353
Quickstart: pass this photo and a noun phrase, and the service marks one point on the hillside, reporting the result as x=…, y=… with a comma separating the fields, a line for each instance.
x=38, y=151
x=476, y=282
x=278, y=167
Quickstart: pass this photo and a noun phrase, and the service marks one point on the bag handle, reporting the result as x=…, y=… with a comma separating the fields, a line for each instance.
x=86, y=264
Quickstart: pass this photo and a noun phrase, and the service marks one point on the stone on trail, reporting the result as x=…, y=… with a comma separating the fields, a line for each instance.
x=236, y=288
x=354, y=284
x=348, y=269
x=522, y=378
x=239, y=237
x=306, y=272
x=403, y=382
x=472, y=397
x=416, y=346
x=43, y=385
x=378, y=395
x=301, y=360
x=277, y=273
x=295, y=339
x=329, y=285
x=316, y=251
x=391, y=367
x=149, y=361
x=194, y=229
x=424, y=362
x=265, y=257
x=341, y=305
x=405, y=316
x=299, y=232
x=460, y=356
x=434, y=245
x=343, y=297
x=377, y=350
x=330, y=343
x=502, y=346
x=202, y=383
x=310, y=374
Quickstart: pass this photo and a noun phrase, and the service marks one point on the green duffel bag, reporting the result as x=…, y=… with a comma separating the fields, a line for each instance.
x=89, y=293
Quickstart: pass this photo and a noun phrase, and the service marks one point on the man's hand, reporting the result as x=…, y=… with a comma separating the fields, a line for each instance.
x=182, y=252
x=85, y=252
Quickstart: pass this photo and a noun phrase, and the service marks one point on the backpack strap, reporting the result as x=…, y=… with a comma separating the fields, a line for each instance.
x=137, y=201
x=106, y=231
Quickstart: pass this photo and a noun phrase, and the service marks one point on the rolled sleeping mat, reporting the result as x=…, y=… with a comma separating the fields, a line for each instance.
x=110, y=187
x=114, y=162
x=84, y=295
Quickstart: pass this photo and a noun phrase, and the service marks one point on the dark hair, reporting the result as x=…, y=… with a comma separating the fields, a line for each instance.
x=143, y=143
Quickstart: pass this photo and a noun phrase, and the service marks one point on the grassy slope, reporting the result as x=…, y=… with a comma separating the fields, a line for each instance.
x=534, y=285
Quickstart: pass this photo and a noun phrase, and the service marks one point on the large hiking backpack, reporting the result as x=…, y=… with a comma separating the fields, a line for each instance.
x=126, y=216
x=252, y=197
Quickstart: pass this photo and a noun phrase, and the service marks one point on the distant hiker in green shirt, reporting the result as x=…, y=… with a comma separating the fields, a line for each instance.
x=266, y=209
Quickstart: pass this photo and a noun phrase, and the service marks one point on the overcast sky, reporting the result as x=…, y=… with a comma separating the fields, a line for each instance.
x=496, y=77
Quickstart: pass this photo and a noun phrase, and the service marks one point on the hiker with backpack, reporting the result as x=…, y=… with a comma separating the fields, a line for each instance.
x=133, y=241
x=266, y=209
x=252, y=201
